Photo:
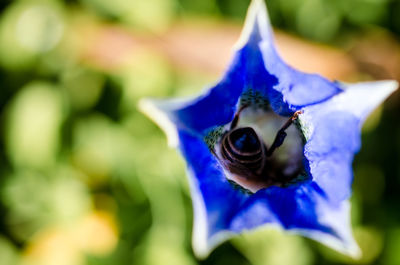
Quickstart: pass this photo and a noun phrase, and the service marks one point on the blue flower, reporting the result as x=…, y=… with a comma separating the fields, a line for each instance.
x=305, y=184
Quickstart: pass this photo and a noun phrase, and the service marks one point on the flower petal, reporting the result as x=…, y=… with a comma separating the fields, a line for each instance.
x=217, y=106
x=302, y=209
x=221, y=210
x=256, y=67
x=298, y=88
x=215, y=200
x=331, y=123
x=333, y=130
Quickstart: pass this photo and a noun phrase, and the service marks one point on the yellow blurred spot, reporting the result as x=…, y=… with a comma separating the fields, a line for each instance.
x=96, y=234
x=66, y=245
x=53, y=246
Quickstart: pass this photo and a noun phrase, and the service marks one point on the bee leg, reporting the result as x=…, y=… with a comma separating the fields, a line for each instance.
x=236, y=117
x=279, y=138
x=281, y=134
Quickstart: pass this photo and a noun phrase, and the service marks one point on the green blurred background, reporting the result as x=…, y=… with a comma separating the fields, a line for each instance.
x=85, y=178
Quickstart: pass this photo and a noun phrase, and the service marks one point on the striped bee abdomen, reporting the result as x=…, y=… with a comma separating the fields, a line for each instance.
x=243, y=152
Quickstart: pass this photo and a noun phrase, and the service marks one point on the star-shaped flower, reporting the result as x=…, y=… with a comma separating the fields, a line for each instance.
x=297, y=132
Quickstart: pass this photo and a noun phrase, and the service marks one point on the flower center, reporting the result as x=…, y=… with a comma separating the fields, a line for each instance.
x=277, y=143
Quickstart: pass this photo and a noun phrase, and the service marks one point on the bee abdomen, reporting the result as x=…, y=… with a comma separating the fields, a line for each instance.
x=243, y=150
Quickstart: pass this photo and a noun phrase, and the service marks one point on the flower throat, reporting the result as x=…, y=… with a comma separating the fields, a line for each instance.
x=252, y=163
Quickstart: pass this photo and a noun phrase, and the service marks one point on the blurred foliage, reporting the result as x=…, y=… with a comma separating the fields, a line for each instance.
x=87, y=179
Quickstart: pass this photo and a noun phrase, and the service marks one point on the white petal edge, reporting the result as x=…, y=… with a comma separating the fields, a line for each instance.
x=155, y=112
x=359, y=99
x=202, y=246
x=368, y=95
x=257, y=15
x=340, y=221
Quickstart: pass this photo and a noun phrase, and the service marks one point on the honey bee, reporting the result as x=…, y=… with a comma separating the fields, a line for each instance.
x=243, y=152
